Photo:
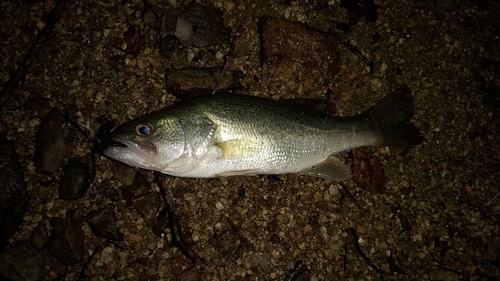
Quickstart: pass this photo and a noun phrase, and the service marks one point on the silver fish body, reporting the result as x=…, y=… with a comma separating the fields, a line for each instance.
x=226, y=135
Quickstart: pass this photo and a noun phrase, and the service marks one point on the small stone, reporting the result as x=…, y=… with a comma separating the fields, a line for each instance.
x=263, y=260
x=333, y=190
x=382, y=245
x=103, y=224
x=177, y=263
x=376, y=83
x=228, y=243
x=147, y=206
x=142, y=63
x=190, y=274
x=383, y=68
x=107, y=254
x=195, y=25
x=133, y=38
x=40, y=236
x=442, y=275
x=134, y=238
x=228, y=6
x=123, y=173
x=138, y=188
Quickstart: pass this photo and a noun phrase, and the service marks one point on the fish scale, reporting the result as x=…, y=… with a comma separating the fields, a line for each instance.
x=233, y=134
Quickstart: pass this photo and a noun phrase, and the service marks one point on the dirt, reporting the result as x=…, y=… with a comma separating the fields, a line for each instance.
x=436, y=218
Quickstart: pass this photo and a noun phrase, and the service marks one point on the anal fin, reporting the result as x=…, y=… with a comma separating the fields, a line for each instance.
x=332, y=169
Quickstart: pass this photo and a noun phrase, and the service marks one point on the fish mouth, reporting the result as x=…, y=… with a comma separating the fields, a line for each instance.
x=139, y=147
x=136, y=154
x=116, y=143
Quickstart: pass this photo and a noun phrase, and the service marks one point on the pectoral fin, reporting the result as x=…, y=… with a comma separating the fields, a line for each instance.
x=331, y=169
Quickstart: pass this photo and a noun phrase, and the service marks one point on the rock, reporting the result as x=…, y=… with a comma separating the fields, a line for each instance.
x=75, y=180
x=103, y=224
x=14, y=195
x=67, y=240
x=194, y=25
x=40, y=236
x=263, y=260
x=143, y=199
x=296, y=55
x=133, y=38
x=147, y=206
x=22, y=263
x=228, y=243
x=177, y=264
x=123, y=173
x=110, y=192
x=191, y=274
x=442, y=275
x=368, y=172
x=138, y=188
x=50, y=147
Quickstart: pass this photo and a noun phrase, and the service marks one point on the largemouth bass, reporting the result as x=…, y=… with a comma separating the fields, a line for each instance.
x=228, y=135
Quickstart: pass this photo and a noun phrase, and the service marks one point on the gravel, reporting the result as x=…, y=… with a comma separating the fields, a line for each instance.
x=433, y=220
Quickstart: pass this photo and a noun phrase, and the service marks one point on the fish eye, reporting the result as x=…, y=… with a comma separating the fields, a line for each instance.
x=144, y=129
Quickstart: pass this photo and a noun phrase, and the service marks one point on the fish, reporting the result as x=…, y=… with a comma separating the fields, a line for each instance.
x=224, y=135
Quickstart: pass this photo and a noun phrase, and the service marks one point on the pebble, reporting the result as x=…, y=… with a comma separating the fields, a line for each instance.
x=107, y=255
x=103, y=223
x=147, y=206
x=123, y=173
x=134, y=238
x=40, y=236
x=442, y=274
x=195, y=25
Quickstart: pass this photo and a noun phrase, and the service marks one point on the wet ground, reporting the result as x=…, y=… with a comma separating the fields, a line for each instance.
x=436, y=218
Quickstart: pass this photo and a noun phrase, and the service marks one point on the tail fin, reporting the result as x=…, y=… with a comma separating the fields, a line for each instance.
x=392, y=115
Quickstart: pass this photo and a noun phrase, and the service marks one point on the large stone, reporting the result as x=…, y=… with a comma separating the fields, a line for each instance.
x=75, y=180
x=67, y=240
x=22, y=263
x=50, y=147
x=13, y=192
x=295, y=55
